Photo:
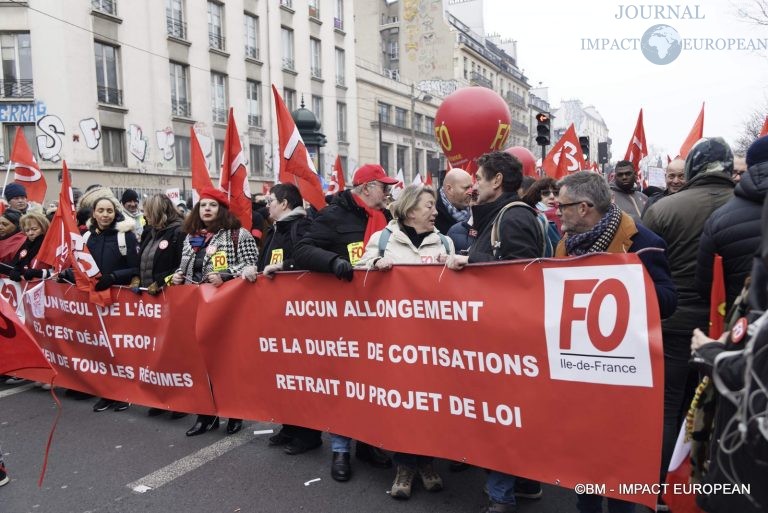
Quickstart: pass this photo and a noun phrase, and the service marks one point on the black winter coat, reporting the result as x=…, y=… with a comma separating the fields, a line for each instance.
x=27, y=252
x=282, y=237
x=164, y=260
x=444, y=219
x=106, y=252
x=337, y=230
x=519, y=231
x=733, y=231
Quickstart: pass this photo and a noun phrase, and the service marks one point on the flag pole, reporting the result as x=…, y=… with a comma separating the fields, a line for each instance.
x=7, y=172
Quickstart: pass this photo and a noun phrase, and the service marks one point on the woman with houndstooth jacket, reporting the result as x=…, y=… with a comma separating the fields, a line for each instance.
x=216, y=250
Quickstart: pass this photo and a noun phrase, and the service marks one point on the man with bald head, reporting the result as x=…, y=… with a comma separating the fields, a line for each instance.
x=453, y=200
x=675, y=179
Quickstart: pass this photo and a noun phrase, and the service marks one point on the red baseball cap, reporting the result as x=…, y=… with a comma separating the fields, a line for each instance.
x=215, y=194
x=372, y=173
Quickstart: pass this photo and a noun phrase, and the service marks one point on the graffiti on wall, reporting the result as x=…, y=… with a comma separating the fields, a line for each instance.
x=49, y=144
x=165, y=142
x=137, y=143
x=22, y=112
x=91, y=133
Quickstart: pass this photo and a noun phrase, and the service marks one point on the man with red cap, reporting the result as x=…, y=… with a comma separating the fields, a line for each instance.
x=333, y=244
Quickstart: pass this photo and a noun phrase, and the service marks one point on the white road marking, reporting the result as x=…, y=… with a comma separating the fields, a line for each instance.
x=189, y=463
x=264, y=432
x=16, y=390
x=312, y=481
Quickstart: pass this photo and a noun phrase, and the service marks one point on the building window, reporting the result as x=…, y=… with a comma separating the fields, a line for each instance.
x=385, y=112
x=466, y=68
x=256, y=152
x=315, y=64
x=417, y=122
x=107, y=74
x=338, y=18
x=16, y=72
x=180, y=90
x=289, y=95
x=340, y=67
x=287, y=41
x=384, y=150
x=402, y=151
x=314, y=8
x=218, y=154
x=317, y=107
x=29, y=135
x=113, y=146
x=393, y=49
x=287, y=3
x=419, y=158
x=341, y=121
x=400, y=116
x=219, y=97
x=251, y=36
x=254, y=102
x=174, y=19
x=181, y=148
x=216, y=26
x=105, y=6
x=429, y=125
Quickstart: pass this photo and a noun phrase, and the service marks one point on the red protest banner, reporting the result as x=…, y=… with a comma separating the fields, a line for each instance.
x=499, y=363
x=142, y=357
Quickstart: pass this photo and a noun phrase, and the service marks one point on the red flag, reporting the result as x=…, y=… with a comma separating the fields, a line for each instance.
x=18, y=349
x=25, y=169
x=637, y=148
x=573, y=154
x=234, y=175
x=678, y=476
x=201, y=178
x=296, y=166
x=562, y=164
x=717, y=299
x=697, y=132
x=337, y=177
x=428, y=180
x=764, y=130
x=64, y=247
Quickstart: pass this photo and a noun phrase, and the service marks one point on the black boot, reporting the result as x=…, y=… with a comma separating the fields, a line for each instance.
x=234, y=425
x=341, y=470
x=202, y=424
x=373, y=455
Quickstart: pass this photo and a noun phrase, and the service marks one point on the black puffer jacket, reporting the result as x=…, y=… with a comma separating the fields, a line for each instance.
x=519, y=231
x=160, y=253
x=733, y=232
x=337, y=229
x=281, y=239
x=106, y=252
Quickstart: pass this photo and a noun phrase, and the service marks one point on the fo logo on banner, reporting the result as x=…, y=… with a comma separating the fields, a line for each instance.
x=596, y=325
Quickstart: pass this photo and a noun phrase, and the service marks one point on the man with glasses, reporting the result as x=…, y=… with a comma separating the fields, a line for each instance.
x=592, y=224
x=625, y=195
x=333, y=244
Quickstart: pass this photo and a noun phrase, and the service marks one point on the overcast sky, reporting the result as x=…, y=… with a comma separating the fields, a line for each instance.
x=618, y=83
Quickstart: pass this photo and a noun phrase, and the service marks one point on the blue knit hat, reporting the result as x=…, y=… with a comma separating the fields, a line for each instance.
x=14, y=190
x=758, y=151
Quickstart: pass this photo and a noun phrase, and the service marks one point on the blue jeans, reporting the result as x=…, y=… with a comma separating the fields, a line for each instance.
x=589, y=503
x=340, y=443
x=501, y=487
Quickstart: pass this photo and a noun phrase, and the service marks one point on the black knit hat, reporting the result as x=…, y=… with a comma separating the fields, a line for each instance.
x=12, y=215
x=14, y=190
x=129, y=195
x=758, y=151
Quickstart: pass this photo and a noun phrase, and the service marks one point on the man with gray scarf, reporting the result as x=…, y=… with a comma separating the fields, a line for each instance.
x=679, y=220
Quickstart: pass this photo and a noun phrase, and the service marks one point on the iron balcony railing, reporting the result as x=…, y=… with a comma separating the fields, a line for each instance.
x=216, y=41
x=219, y=115
x=181, y=108
x=105, y=6
x=176, y=28
x=252, y=52
x=16, y=89
x=254, y=120
x=110, y=95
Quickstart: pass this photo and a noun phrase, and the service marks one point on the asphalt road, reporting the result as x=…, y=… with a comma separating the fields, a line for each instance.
x=98, y=460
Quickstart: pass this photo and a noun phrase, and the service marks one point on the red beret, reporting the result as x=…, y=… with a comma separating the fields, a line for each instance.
x=215, y=194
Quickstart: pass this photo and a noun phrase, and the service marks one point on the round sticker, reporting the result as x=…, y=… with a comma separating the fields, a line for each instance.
x=22, y=253
x=739, y=330
x=210, y=250
x=163, y=244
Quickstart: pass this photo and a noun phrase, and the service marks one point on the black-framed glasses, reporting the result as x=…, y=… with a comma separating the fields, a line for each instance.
x=561, y=206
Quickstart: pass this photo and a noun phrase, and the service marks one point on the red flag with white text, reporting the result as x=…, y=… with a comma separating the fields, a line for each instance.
x=573, y=154
x=296, y=166
x=64, y=247
x=201, y=178
x=338, y=183
x=697, y=132
x=637, y=148
x=234, y=175
x=26, y=171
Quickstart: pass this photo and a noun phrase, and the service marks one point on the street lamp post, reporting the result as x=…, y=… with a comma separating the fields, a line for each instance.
x=415, y=97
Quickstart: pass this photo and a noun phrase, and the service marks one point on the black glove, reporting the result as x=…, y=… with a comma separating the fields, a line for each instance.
x=30, y=274
x=66, y=275
x=342, y=269
x=15, y=275
x=105, y=282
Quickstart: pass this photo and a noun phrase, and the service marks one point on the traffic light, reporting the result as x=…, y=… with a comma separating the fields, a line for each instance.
x=602, y=152
x=584, y=143
x=543, y=129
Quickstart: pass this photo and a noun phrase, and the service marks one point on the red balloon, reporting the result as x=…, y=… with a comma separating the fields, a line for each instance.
x=471, y=122
x=526, y=158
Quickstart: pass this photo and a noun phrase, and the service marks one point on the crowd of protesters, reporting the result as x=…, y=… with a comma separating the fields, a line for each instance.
x=708, y=207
